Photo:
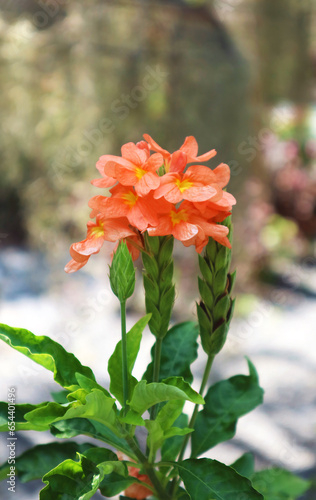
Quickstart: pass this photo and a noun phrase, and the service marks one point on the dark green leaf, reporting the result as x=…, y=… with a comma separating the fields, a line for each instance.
x=76, y=426
x=225, y=402
x=179, y=350
x=37, y=461
x=47, y=353
x=80, y=480
x=279, y=484
x=60, y=396
x=206, y=479
x=21, y=424
x=245, y=465
x=133, y=339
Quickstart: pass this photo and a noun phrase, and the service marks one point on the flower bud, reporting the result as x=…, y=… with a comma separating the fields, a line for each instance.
x=122, y=273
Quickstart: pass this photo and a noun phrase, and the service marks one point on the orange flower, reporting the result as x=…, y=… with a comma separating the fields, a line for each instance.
x=187, y=153
x=141, y=200
x=102, y=230
x=135, y=168
x=105, y=181
x=138, y=491
x=212, y=207
x=187, y=225
x=199, y=183
x=125, y=202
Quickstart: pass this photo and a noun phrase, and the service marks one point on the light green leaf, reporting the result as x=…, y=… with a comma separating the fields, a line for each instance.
x=47, y=353
x=147, y=395
x=88, y=384
x=179, y=350
x=225, y=402
x=131, y=418
x=133, y=339
x=245, y=465
x=279, y=484
x=169, y=413
x=171, y=447
x=37, y=461
x=160, y=429
x=97, y=407
x=207, y=479
x=184, y=386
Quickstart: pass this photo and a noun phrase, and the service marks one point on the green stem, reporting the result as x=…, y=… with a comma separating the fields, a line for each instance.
x=205, y=378
x=196, y=408
x=160, y=490
x=156, y=372
x=124, y=355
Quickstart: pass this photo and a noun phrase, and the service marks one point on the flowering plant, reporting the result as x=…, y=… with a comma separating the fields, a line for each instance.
x=155, y=197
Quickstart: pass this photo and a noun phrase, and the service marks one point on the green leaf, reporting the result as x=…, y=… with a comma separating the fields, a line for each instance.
x=60, y=396
x=169, y=413
x=225, y=402
x=37, y=461
x=179, y=350
x=158, y=432
x=133, y=339
x=98, y=468
x=76, y=426
x=172, y=446
x=88, y=384
x=245, y=465
x=207, y=479
x=21, y=424
x=131, y=418
x=122, y=273
x=47, y=353
x=147, y=395
x=279, y=484
x=97, y=407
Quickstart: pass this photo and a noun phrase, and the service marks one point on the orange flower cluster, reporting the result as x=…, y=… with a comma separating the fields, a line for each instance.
x=156, y=193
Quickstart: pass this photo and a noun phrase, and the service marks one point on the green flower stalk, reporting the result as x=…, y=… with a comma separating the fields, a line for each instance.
x=159, y=291
x=122, y=281
x=158, y=282
x=216, y=307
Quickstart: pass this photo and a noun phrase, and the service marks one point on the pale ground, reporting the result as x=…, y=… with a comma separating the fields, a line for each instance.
x=81, y=313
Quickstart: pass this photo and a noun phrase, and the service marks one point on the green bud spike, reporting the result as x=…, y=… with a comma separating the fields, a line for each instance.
x=158, y=282
x=215, y=309
x=122, y=273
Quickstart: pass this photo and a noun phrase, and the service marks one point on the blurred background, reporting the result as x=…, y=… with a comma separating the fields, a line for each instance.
x=78, y=79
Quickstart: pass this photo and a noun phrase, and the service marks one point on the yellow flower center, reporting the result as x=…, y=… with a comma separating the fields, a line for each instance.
x=139, y=172
x=98, y=231
x=184, y=185
x=130, y=198
x=177, y=217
